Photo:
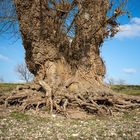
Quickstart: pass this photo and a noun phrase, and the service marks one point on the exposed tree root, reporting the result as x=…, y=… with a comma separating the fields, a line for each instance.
x=101, y=103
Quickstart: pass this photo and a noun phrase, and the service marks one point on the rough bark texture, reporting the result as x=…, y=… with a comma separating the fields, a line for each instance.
x=65, y=60
x=53, y=58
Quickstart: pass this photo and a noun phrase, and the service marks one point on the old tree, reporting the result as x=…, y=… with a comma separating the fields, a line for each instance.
x=62, y=40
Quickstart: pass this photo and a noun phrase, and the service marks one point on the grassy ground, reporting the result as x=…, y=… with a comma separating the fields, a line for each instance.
x=127, y=89
x=32, y=125
x=7, y=87
x=124, y=89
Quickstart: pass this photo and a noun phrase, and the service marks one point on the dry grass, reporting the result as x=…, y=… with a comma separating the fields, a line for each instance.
x=31, y=125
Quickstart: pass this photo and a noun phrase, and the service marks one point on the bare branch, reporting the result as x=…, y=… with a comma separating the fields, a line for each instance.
x=23, y=72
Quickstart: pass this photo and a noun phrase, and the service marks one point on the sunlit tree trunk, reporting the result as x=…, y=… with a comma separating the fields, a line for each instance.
x=62, y=40
x=77, y=65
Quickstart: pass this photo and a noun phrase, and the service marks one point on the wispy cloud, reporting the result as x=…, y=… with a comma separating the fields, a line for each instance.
x=129, y=70
x=130, y=30
x=3, y=57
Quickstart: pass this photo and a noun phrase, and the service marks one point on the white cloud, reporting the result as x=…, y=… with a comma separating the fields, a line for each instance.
x=2, y=57
x=129, y=70
x=130, y=30
x=135, y=20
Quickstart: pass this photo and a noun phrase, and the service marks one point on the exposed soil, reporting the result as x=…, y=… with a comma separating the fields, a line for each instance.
x=34, y=125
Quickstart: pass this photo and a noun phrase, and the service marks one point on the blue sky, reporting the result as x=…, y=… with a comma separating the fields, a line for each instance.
x=121, y=54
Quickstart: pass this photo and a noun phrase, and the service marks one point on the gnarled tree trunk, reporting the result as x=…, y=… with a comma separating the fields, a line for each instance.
x=62, y=42
x=51, y=56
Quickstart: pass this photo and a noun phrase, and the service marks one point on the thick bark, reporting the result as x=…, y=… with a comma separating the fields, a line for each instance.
x=70, y=73
x=77, y=64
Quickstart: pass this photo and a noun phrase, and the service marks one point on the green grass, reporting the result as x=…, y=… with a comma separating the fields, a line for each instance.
x=7, y=87
x=124, y=89
x=19, y=116
x=127, y=89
